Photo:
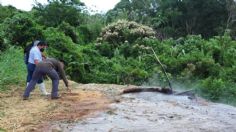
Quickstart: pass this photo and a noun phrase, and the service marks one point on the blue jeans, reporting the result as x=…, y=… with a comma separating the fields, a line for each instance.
x=30, y=70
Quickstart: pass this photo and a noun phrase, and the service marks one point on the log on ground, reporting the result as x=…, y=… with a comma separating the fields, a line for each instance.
x=148, y=89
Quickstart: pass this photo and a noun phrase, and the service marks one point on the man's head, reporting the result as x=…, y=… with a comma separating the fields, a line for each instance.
x=62, y=63
x=42, y=45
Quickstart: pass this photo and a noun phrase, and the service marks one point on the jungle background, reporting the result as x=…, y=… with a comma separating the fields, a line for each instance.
x=194, y=40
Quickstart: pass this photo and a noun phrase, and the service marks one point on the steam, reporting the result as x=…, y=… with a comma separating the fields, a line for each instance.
x=179, y=86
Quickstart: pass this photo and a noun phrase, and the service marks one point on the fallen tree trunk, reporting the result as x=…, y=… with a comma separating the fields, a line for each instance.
x=188, y=93
x=148, y=89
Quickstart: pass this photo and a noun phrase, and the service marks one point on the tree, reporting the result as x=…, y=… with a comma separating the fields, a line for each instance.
x=133, y=10
x=62, y=47
x=68, y=2
x=6, y=11
x=68, y=31
x=91, y=27
x=20, y=29
x=58, y=11
x=175, y=18
x=231, y=21
x=121, y=36
x=2, y=46
x=203, y=17
x=125, y=31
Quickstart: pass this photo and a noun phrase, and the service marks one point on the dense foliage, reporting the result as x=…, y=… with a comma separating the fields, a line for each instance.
x=193, y=39
x=177, y=18
x=13, y=69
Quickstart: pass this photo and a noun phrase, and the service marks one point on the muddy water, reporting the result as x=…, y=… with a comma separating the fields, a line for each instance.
x=152, y=112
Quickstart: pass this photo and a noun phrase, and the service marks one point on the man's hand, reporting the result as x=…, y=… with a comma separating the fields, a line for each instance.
x=36, y=61
x=68, y=89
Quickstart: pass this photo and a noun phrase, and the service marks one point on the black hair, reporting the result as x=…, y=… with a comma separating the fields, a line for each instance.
x=42, y=43
x=61, y=60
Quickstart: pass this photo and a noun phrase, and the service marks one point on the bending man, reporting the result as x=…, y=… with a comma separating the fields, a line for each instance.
x=54, y=69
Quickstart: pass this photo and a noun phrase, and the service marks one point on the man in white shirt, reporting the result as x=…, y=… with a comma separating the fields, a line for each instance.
x=35, y=56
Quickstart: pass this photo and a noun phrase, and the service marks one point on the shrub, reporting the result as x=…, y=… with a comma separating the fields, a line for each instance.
x=2, y=45
x=213, y=88
x=68, y=31
x=13, y=69
x=124, y=31
x=117, y=70
x=20, y=29
x=62, y=47
x=217, y=89
x=90, y=31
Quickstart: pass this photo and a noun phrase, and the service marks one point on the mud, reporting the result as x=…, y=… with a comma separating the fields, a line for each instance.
x=152, y=112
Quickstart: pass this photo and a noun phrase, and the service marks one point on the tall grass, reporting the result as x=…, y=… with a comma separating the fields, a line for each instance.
x=12, y=68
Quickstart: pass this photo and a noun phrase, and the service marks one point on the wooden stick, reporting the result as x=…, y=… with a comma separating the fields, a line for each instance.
x=162, y=68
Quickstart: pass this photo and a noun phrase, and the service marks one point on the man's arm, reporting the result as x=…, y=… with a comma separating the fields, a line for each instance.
x=37, y=57
x=62, y=73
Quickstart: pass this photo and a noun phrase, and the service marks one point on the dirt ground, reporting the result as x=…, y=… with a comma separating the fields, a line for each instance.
x=39, y=111
x=101, y=108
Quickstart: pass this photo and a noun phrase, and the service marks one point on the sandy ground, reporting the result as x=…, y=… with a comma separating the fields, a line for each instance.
x=37, y=113
x=100, y=108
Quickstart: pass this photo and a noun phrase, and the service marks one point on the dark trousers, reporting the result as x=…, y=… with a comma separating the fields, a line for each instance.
x=38, y=73
x=30, y=70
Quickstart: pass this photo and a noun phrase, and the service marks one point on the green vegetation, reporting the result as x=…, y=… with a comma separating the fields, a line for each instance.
x=195, y=40
x=2, y=130
x=13, y=69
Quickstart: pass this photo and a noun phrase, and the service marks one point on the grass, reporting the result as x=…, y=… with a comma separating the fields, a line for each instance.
x=13, y=69
x=2, y=130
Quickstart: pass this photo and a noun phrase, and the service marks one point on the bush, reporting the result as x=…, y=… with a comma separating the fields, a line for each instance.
x=125, y=31
x=117, y=69
x=213, y=88
x=218, y=90
x=62, y=47
x=68, y=31
x=13, y=69
x=2, y=45
x=20, y=29
x=229, y=74
x=90, y=31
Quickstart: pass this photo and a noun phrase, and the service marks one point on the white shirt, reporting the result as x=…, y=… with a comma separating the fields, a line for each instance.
x=35, y=54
